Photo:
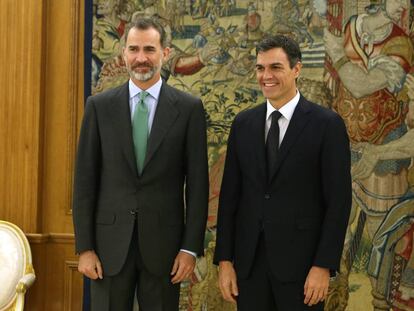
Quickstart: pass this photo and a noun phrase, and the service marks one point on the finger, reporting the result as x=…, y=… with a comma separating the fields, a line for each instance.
x=234, y=288
x=318, y=295
x=188, y=276
x=227, y=293
x=308, y=295
x=191, y=269
x=99, y=269
x=187, y=273
x=325, y=293
x=222, y=289
x=175, y=267
x=91, y=273
x=225, y=290
x=314, y=298
x=177, y=278
x=179, y=275
x=231, y=299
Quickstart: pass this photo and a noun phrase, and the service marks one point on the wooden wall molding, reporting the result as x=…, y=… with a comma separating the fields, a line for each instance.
x=58, y=284
x=40, y=238
x=63, y=238
x=71, y=269
x=75, y=64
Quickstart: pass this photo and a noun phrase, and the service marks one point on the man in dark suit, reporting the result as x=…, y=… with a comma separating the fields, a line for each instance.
x=286, y=193
x=141, y=183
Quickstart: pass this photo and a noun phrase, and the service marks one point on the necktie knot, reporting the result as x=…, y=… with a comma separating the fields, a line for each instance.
x=142, y=95
x=276, y=116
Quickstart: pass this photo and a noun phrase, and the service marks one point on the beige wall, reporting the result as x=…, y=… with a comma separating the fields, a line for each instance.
x=41, y=84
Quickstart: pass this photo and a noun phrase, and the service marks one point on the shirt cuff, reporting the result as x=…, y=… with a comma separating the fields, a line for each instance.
x=189, y=252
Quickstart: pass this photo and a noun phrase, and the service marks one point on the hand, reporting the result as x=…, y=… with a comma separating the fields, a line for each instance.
x=89, y=265
x=316, y=285
x=183, y=267
x=228, y=281
x=333, y=46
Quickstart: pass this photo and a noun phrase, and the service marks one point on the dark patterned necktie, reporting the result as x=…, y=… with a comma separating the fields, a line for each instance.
x=272, y=143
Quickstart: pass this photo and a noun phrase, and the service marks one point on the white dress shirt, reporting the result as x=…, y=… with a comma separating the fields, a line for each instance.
x=286, y=111
x=151, y=101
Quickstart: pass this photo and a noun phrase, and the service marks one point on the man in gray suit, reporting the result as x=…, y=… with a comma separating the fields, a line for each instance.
x=141, y=183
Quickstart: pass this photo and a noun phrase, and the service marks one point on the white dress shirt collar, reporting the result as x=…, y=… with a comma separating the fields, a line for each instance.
x=154, y=90
x=286, y=110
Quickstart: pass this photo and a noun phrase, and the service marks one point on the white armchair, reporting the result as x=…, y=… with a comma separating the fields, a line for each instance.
x=16, y=270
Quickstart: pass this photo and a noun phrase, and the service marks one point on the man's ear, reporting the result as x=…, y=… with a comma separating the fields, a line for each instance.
x=297, y=68
x=166, y=53
x=123, y=53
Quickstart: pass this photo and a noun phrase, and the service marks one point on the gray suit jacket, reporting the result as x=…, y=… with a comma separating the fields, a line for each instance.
x=169, y=199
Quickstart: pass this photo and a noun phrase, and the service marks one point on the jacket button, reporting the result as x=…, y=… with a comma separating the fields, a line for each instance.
x=267, y=196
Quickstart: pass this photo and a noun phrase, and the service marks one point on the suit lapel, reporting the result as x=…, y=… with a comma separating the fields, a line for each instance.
x=121, y=113
x=299, y=119
x=165, y=115
x=258, y=141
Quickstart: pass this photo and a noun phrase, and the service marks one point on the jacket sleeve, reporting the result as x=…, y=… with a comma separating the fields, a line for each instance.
x=337, y=193
x=86, y=180
x=228, y=201
x=197, y=183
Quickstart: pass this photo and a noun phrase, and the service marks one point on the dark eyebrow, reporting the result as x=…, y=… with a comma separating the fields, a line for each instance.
x=147, y=47
x=277, y=64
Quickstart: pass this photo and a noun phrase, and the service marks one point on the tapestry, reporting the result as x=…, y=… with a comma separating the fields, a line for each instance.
x=357, y=60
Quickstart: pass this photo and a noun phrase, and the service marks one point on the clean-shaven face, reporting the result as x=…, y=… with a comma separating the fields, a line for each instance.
x=275, y=77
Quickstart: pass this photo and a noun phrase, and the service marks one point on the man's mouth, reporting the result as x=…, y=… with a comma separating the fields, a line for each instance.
x=142, y=66
x=268, y=84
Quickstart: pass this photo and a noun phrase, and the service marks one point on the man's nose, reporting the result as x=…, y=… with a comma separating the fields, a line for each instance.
x=140, y=57
x=267, y=73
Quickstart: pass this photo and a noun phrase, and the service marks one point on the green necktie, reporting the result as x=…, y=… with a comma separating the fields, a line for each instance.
x=140, y=130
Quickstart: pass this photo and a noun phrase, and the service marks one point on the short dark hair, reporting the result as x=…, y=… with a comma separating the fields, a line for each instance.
x=289, y=46
x=144, y=23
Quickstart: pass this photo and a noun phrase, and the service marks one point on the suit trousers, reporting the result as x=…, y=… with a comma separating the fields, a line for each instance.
x=116, y=293
x=263, y=291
